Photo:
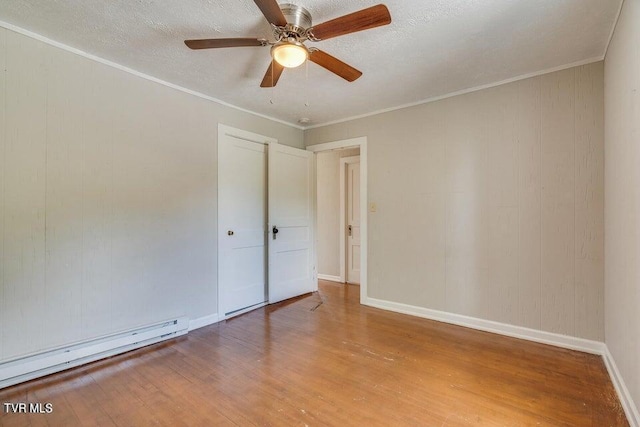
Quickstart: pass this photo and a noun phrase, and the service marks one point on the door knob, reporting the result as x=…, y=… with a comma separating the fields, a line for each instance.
x=275, y=231
x=349, y=230
x=230, y=232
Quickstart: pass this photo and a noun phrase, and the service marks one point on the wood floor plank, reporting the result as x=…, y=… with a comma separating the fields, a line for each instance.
x=325, y=360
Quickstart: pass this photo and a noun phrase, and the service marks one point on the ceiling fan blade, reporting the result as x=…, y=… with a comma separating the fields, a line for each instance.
x=272, y=75
x=272, y=12
x=364, y=19
x=216, y=43
x=334, y=65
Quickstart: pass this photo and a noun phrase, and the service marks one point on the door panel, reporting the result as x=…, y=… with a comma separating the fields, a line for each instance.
x=291, y=270
x=353, y=222
x=242, y=198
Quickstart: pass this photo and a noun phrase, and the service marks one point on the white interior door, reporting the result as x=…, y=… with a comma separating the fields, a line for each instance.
x=291, y=192
x=242, y=213
x=353, y=222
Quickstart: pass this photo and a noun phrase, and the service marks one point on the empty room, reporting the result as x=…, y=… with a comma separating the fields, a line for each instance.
x=320, y=213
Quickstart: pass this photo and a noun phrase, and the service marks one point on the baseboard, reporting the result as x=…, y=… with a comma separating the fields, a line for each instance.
x=630, y=409
x=330, y=278
x=558, y=340
x=203, y=321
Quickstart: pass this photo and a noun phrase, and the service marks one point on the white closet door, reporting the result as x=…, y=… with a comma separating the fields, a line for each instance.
x=290, y=241
x=242, y=204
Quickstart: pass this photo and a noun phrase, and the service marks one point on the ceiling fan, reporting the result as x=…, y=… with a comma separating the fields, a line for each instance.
x=292, y=26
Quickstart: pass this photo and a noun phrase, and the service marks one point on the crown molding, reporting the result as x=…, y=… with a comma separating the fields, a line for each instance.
x=460, y=92
x=136, y=73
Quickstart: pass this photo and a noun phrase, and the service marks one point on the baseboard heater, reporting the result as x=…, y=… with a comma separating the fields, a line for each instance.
x=37, y=365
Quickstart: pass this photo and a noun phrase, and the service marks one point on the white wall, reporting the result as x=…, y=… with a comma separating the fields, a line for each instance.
x=328, y=209
x=490, y=204
x=107, y=197
x=622, y=202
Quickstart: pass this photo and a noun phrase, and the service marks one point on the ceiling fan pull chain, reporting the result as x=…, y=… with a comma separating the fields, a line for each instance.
x=272, y=101
x=272, y=87
x=306, y=83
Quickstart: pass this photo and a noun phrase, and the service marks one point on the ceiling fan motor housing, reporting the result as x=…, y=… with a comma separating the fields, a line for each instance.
x=298, y=18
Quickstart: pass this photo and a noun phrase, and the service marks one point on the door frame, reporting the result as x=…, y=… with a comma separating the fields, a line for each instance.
x=224, y=130
x=360, y=142
x=344, y=161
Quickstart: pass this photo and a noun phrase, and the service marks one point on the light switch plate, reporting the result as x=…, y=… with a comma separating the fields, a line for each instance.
x=373, y=207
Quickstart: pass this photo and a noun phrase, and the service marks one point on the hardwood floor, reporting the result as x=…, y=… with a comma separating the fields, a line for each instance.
x=323, y=359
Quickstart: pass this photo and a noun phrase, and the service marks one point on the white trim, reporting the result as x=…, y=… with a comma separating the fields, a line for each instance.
x=203, y=321
x=630, y=409
x=344, y=161
x=558, y=340
x=460, y=92
x=330, y=278
x=243, y=134
x=95, y=58
x=59, y=359
x=364, y=219
x=364, y=204
x=337, y=145
x=314, y=220
x=613, y=29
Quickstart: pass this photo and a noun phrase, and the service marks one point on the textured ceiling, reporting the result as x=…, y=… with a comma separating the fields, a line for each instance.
x=432, y=47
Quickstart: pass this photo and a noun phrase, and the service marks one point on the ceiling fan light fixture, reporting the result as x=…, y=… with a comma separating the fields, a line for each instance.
x=290, y=54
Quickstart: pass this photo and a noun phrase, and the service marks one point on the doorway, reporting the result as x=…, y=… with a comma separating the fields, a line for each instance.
x=338, y=215
x=341, y=227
